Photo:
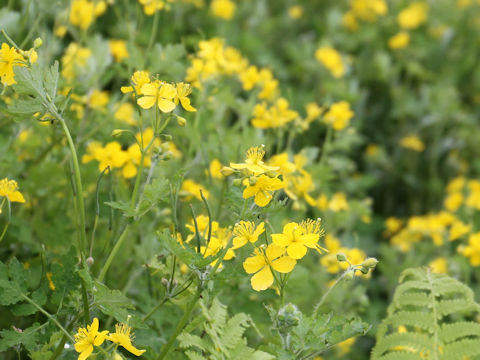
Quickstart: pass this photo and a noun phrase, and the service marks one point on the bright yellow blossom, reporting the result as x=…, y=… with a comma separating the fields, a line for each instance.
x=87, y=338
x=413, y=16
x=82, y=13
x=458, y=229
x=276, y=116
x=125, y=112
x=399, y=41
x=152, y=6
x=254, y=162
x=158, y=93
x=9, y=189
x=118, y=48
x=295, y=12
x=412, y=142
x=338, y=202
x=245, y=231
x=338, y=115
x=123, y=337
x=9, y=57
x=472, y=250
x=262, y=263
x=183, y=90
x=262, y=188
x=191, y=188
x=139, y=78
x=296, y=238
x=75, y=57
x=332, y=60
x=453, y=201
x=439, y=265
x=223, y=9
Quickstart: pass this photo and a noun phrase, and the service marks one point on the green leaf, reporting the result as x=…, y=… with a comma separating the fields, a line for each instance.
x=51, y=80
x=26, y=337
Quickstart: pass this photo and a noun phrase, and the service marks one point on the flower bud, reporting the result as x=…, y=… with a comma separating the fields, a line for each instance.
x=341, y=257
x=181, y=121
x=117, y=132
x=349, y=275
x=364, y=270
x=90, y=261
x=164, y=282
x=271, y=173
x=237, y=182
x=227, y=171
x=252, y=180
x=37, y=43
x=370, y=263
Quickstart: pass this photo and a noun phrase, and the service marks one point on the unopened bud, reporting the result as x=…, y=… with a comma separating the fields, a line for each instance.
x=181, y=121
x=237, y=182
x=349, y=275
x=117, y=132
x=252, y=180
x=90, y=261
x=370, y=263
x=164, y=282
x=227, y=171
x=271, y=173
x=364, y=270
x=290, y=308
x=38, y=42
x=341, y=257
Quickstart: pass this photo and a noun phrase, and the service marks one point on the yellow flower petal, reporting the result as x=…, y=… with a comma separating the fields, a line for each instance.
x=186, y=104
x=262, y=280
x=285, y=264
x=146, y=102
x=263, y=198
x=254, y=263
x=296, y=250
x=165, y=105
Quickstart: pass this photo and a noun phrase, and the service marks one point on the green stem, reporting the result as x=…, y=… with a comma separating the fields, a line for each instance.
x=44, y=312
x=77, y=176
x=324, y=297
x=113, y=253
x=155, y=308
x=182, y=323
x=326, y=145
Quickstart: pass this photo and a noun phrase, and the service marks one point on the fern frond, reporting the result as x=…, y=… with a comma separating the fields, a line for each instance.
x=461, y=349
x=413, y=341
x=401, y=355
x=192, y=355
x=188, y=340
x=452, y=332
x=432, y=310
x=234, y=330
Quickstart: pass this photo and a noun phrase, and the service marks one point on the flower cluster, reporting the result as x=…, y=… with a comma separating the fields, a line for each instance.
x=113, y=156
x=164, y=95
x=87, y=338
x=364, y=10
x=11, y=57
x=214, y=59
x=277, y=115
x=84, y=12
x=281, y=254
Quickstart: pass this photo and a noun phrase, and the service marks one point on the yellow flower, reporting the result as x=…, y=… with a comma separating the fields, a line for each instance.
x=297, y=238
x=125, y=112
x=453, y=201
x=183, y=90
x=439, y=265
x=331, y=59
x=139, y=78
x=295, y=12
x=250, y=77
x=254, y=162
x=458, y=229
x=399, y=41
x=9, y=189
x=118, y=48
x=85, y=339
x=123, y=337
x=9, y=57
x=202, y=225
x=111, y=155
x=160, y=93
x=313, y=112
x=151, y=6
x=456, y=185
x=75, y=57
x=273, y=257
x=223, y=9
x=338, y=202
x=51, y=285
x=276, y=116
x=245, y=231
x=338, y=115
x=413, y=16
x=262, y=189
x=472, y=250
x=82, y=13
x=392, y=225
x=412, y=142
x=215, y=169
x=98, y=99
x=190, y=187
